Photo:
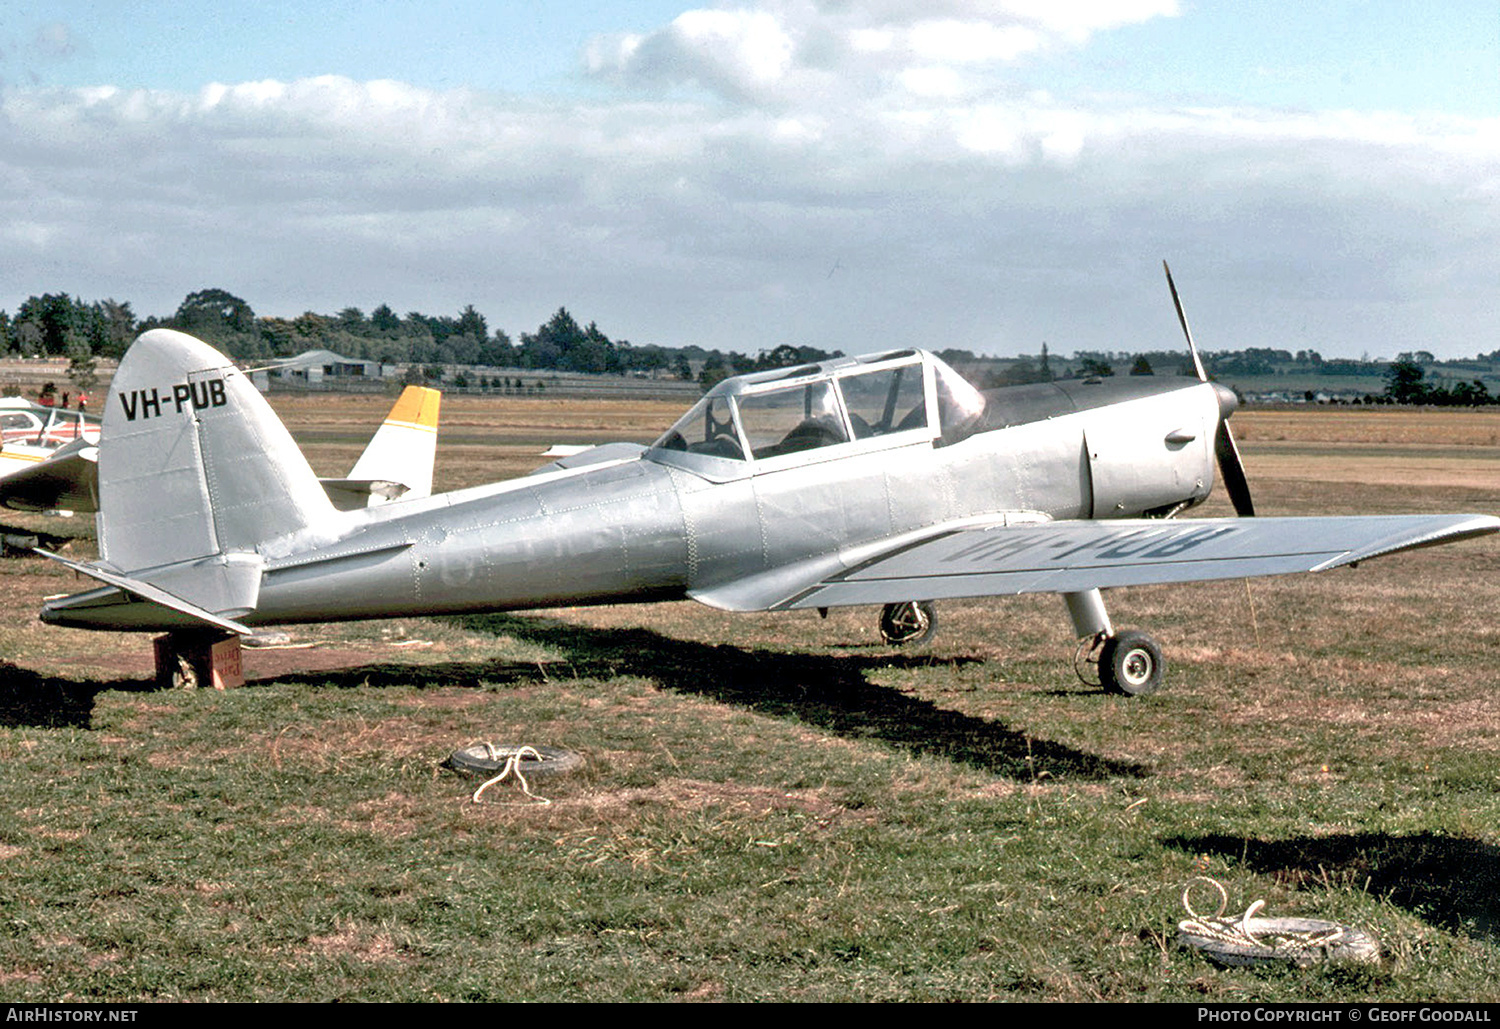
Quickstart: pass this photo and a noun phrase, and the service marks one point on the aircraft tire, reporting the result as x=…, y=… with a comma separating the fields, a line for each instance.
x=487, y=761
x=908, y=624
x=1132, y=663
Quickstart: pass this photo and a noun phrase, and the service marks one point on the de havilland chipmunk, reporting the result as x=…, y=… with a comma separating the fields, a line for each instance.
x=875, y=480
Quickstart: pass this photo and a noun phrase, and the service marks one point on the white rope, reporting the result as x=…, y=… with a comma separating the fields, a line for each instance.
x=1237, y=932
x=512, y=767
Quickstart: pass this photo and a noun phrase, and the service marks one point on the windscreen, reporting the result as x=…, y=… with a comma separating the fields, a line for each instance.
x=708, y=428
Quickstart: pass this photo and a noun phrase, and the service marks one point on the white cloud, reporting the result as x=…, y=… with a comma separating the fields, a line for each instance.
x=933, y=83
x=958, y=211
x=1075, y=20
x=788, y=50
x=871, y=41
x=736, y=52
x=750, y=41
x=969, y=42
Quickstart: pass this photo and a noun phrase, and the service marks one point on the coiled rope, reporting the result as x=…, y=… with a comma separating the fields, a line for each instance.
x=1246, y=938
x=512, y=767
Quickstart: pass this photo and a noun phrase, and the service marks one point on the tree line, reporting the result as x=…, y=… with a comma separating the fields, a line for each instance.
x=1406, y=383
x=56, y=324
x=63, y=326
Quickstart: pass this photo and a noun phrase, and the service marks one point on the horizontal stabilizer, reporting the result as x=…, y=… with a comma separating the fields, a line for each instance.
x=237, y=580
x=350, y=494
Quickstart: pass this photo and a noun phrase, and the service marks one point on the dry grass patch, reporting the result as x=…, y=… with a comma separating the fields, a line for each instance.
x=1397, y=467
x=357, y=943
x=1472, y=724
x=639, y=420
x=729, y=800
x=1479, y=427
x=329, y=746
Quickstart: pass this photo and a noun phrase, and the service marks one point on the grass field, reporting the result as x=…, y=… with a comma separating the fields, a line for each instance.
x=779, y=807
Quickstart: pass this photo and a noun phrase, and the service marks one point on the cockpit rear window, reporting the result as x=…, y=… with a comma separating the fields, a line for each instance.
x=960, y=405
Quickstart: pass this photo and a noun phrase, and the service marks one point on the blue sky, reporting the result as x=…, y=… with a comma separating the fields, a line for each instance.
x=850, y=173
x=439, y=44
x=1357, y=55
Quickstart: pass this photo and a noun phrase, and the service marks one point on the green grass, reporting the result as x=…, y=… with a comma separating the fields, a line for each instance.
x=773, y=807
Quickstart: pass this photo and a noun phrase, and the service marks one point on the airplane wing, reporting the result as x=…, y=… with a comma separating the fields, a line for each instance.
x=67, y=480
x=1074, y=556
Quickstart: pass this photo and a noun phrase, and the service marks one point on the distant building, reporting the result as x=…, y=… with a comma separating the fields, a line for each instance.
x=317, y=368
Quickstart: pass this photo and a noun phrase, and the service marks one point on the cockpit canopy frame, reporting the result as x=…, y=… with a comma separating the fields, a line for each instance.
x=789, y=417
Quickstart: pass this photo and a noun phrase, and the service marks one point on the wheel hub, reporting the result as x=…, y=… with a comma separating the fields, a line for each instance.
x=1137, y=667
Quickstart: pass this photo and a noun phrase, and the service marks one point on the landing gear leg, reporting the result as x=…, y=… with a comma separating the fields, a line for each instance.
x=1127, y=662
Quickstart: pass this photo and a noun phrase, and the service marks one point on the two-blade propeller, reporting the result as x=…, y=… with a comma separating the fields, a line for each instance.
x=1231, y=468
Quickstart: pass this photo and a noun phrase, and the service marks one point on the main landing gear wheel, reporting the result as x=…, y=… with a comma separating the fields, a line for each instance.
x=908, y=624
x=1131, y=663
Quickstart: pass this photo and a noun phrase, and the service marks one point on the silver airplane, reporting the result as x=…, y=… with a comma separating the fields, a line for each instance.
x=877, y=480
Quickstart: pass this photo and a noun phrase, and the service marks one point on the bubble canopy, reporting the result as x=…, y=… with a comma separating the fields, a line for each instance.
x=790, y=416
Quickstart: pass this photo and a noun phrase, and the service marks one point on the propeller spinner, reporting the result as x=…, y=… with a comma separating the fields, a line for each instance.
x=1231, y=468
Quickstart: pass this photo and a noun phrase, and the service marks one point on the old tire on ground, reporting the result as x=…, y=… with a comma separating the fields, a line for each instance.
x=1132, y=663
x=488, y=760
x=908, y=624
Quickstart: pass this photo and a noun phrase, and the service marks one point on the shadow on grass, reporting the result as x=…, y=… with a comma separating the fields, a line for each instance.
x=829, y=692
x=423, y=676
x=49, y=702
x=1450, y=881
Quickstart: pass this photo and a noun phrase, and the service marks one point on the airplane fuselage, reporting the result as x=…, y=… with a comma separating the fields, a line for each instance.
x=662, y=524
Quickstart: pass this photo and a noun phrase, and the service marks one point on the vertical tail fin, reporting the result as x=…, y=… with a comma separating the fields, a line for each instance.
x=193, y=462
x=398, y=462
